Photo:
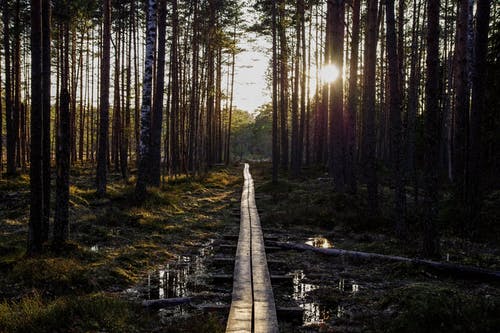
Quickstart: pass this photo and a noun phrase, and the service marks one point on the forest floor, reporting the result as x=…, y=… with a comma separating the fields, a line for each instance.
x=122, y=253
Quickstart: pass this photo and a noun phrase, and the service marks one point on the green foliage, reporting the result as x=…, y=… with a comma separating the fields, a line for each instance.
x=251, y=136
x=433, y=308
x=89, y=313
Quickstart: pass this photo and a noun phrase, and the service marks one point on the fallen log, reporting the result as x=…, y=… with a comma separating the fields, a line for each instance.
x=156, y=304
x=454, y=269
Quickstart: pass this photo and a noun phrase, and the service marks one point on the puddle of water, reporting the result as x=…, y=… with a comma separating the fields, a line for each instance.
x=314, y=313
x=181, y=278
x=344, y=285
x=320, y=242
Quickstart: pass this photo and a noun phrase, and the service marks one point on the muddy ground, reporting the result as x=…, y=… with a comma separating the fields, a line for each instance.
x=172, y=245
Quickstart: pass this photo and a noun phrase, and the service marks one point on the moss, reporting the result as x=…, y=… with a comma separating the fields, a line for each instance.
x=57, y=275
x=89, y=313
x=425, y=307
x=201, y=323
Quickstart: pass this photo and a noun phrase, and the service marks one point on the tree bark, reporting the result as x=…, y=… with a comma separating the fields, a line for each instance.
x=11, y=142
x=158, y=97
x=275, y=145
x=369, y=159
x=102, y=151
x=396, y=132
x=145, y=153
x=352, y=102
x=46, y=68
x=336, y=119
x=283, y=85
x=478, y=108
x=454, y=269
x=63, y=153
x=36, y=184
x=431, y=133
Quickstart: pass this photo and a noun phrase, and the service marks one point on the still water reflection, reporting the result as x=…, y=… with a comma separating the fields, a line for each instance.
x=320, y=242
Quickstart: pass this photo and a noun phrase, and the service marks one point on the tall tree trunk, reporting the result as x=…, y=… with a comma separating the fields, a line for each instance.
x=462, y=99
x=352, y=102
x=11, y=141
x=102, y=151
x=283, y=85
x=19, y=129
x=478, y=108
x=275, y=145
x=145, y=152
x=193, y=105
x=158, y=96
x=117, y=112
x=303, y=82
x=431, y=133
x=1, y=122
x=36, y=185
x=63, y=152
x=46, y=90
x=369, y=159
x=231, y=93
x=174, y=112
x=295, y=151
x=336, y=120
x=396, y=132
x=126, y=133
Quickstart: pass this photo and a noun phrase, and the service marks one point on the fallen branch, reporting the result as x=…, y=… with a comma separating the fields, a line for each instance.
x=455, y=269
x=156, y=304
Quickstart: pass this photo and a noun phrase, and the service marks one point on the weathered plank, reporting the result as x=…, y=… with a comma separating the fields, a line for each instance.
x=251, y=261
x=240, y=314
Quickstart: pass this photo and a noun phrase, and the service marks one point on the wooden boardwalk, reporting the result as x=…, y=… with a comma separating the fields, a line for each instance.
x=252, y=305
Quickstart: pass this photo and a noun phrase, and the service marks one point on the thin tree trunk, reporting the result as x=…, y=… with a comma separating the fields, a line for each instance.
x=283, y=85
x=275, y=146
x=462, y=99
x=478, y=108
x=46, y=90
x=396, y=132
x=158, y=97
x=369, y=137
x=63, y=153
x=295, y=163
x=336, y=119
x=11, y=142
x=352, y=102
x=102, y=151
x=35, y=239
x=431, y=133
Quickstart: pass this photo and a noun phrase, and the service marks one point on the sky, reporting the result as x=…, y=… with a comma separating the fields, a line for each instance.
x=250, y=86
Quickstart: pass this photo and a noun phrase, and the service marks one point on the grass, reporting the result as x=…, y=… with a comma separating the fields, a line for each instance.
x=77, y=289
x=89, y=313
x=439, y=308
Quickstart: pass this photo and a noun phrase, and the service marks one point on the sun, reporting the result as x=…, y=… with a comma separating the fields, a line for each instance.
x=329, y=73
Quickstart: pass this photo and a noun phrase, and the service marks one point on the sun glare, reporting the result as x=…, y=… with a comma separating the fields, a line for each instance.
x=329, y=73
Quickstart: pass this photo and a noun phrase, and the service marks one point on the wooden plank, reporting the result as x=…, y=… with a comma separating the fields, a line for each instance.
x=251, y=261
x=240, y=314
x=265, y=319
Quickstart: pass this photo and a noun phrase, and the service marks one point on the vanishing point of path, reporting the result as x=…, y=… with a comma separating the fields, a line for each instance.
x=252, y=305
